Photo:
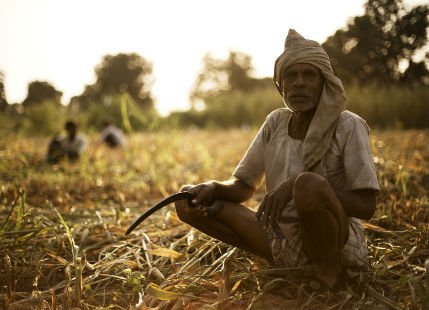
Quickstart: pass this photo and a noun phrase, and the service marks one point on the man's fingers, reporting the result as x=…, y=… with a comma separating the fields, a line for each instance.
x=266, y=215
x=200, y=210
x=260, y=210
x=279, y=210
x=275, y=208
x=186, y=188
x=201, y=195
x=182, y=204
x=204, y=194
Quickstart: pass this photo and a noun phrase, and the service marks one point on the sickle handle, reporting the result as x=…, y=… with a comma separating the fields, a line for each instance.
x=165, y=202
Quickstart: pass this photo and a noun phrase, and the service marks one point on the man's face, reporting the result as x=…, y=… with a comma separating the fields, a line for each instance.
x=302, y=87
x=71, y=131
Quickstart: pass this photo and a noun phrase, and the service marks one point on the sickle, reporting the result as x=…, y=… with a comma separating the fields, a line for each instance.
x=165, y=202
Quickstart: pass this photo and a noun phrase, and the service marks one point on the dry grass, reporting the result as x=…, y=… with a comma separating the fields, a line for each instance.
x=62, y=242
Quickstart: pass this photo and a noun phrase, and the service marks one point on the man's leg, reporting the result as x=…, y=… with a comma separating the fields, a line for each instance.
x=235, y=224
x=324, y=224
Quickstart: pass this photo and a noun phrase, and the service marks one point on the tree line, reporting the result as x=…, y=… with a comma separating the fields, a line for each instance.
x=384, y=51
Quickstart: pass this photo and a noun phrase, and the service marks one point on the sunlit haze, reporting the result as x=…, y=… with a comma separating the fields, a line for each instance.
x=62, y=41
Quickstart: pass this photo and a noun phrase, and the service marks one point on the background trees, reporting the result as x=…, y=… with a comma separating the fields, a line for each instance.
x=121, y=73
x=40, y=91
x=382, y=46
x=381, y=55
x=231, y=95
x=41, y=112
x=3, y=101
x=232, y=74
x=121, y=94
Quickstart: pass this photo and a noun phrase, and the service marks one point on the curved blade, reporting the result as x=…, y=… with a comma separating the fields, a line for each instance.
x=178, y=196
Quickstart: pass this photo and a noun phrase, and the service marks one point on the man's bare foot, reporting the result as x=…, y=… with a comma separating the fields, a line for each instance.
x=333, y=279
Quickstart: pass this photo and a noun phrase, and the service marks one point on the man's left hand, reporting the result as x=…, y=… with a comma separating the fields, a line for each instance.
x=274, y=202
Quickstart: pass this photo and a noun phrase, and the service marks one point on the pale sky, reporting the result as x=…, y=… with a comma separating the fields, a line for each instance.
x=62, y=41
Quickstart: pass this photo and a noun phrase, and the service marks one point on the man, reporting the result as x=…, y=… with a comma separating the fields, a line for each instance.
x=74, y=144
x=70, y=146
x=55, y=151
x=112, y=135
x=319, y=174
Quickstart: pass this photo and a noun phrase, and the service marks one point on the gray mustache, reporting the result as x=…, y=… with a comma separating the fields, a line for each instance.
x=298, y=95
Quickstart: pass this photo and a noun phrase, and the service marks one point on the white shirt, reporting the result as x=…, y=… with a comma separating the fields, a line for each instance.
x=275, y=156
x=77, y=145
x=115, y=132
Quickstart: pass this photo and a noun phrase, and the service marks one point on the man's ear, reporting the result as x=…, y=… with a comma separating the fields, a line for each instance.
x=284, y=93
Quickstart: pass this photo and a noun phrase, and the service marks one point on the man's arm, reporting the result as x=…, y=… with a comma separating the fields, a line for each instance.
x=358, y=203
x=233, y=190
x=360, y=173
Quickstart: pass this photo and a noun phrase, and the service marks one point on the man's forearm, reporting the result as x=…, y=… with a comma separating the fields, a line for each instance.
x=233, y=190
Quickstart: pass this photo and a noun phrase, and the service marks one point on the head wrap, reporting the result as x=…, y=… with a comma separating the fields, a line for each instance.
x=332, y=100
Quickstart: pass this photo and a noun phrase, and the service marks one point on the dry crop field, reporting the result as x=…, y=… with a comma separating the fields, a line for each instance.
x=62, y=243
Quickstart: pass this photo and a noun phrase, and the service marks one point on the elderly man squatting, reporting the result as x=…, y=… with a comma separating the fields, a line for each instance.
x=319, y=176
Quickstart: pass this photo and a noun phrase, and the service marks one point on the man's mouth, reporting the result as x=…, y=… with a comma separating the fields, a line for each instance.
x=298, y=96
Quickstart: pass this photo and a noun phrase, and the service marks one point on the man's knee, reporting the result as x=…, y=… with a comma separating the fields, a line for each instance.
x=310, y=189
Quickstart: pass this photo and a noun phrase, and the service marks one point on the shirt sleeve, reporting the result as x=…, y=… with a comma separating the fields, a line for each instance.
x=251, y=168
x=81, y=144
x=358, y=161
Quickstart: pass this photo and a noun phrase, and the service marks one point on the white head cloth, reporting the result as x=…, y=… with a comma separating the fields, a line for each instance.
x=332, y=100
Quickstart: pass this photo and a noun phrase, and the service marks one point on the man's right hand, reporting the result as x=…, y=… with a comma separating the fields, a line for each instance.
x=232, y=190
x=204, y=196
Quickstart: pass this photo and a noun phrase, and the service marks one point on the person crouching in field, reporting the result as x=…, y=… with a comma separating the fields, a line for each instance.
x=112, y=136
x=319, y=176
x=71, y=146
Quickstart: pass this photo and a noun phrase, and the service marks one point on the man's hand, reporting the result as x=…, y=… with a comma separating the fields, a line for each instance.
x=232, y=190
x=274, y=202
x=205, y=196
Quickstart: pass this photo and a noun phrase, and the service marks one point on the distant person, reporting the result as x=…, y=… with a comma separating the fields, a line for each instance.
x=71, y=146
x=55, y=151
x=74, y=144
x=112, y=135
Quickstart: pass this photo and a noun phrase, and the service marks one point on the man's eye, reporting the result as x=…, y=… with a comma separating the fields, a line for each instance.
x=290, y=75
x=310, y=75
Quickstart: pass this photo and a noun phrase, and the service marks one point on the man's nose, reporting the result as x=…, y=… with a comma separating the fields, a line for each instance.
x=299, y=81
